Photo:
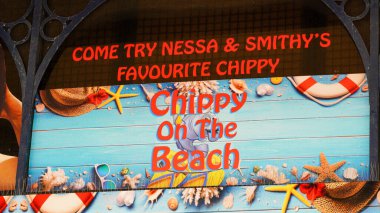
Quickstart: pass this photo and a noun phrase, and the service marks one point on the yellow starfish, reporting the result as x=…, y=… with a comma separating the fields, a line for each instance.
x=116, y=97
x=290, y=190
x=325, y=170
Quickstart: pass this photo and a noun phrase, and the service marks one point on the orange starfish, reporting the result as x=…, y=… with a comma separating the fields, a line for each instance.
x=325, y=170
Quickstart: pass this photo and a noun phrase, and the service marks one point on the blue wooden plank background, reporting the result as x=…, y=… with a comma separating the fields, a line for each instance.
x=272, y=130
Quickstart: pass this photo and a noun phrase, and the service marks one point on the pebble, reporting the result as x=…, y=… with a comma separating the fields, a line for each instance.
x=296, y=208
x=84, y=172
x=133, y=88
x=71, y=171
x=361, y=164
x=113, y=175
x=284, y=165
x=243, y=180
x=109, y=108
x=109, y=207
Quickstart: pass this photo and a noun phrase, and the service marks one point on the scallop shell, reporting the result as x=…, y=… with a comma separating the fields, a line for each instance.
x=350, y=173
x=24, y=205
x=228, y=201
x=173, y=203
x=264, y=89
x=232, y=181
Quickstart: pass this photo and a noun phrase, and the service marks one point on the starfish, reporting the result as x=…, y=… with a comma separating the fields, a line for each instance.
x=325, y=170
x=290, y=190
x=239, y=169
x=116, y=97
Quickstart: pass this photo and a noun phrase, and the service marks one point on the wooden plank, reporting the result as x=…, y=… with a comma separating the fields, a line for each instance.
x=286, y=89
x=247, y=130
x=250, y=111
x=359, y=162
x=255, y=149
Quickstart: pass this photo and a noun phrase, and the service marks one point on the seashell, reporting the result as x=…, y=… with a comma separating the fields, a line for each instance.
x=264, y=89
x=51, y=179
x=147, y=175
x=90, y=186
x=378, y=197
x=256, y=169
x=159, y=85
x=24, y=205
x=124, y=171
x=13, y=206
x=250, y=192
x=294, y=171
x=64, y=188
x=350, y=173
x=305, y=176
x=40, y=107
x=120, y=198
x=173, y=203
x=153, y=195
x=228, y=201
x=365, y=88
x=232, y=181
x=78, y=184
x=129, y=198
x=35, y=186
x=238, y=86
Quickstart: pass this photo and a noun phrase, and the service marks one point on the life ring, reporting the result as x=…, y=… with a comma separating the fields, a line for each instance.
x=308, y=86
x=63, y=203
x=4, y=200
x=8, y=170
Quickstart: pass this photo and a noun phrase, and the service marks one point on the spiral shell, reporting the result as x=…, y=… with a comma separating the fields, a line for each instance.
x=173, y=203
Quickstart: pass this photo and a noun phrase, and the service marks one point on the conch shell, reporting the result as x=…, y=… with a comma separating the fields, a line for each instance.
x=51, y=179
x=238, y=86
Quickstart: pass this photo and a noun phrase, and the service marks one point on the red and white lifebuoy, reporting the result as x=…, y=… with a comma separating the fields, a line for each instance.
x=308, y=86
x=63, y=203
x=4, y=200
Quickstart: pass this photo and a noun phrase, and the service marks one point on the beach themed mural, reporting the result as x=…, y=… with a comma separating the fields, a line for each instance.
x=202, y=134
